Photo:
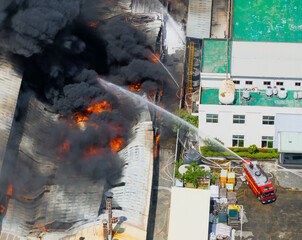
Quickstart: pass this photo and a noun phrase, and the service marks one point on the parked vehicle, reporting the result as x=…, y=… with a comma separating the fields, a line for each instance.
x=258, y=181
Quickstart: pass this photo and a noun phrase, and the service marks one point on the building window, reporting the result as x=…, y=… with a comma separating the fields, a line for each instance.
x=266, y=83
x=297, y=84
x=239, y=119
x=249, y=82
x=267, y=142
x=212, y=118
x=279, y=83
x=238, y=140
x=268, y=120
x=236, y=82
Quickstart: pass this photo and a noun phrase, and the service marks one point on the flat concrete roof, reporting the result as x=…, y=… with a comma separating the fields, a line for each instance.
x=290, y=142
x=189, y=214
x=266, y=59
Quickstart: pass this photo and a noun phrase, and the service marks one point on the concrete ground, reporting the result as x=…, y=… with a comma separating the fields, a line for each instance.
x=278, y=220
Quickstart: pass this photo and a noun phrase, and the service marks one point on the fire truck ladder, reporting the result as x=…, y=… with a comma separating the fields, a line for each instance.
x=190, y=67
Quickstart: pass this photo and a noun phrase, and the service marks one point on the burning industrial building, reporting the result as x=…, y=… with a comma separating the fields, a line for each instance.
x=65, y=139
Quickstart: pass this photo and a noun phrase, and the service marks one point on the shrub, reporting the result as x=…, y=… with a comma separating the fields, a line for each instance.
x=253, y=149
x=236, y=150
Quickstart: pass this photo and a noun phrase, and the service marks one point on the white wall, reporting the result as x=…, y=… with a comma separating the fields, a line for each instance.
x=252, y=129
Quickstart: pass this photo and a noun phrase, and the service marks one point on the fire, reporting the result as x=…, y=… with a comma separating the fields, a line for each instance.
x=92, y=152
x=2, y=209
x=135, y=87
x=93, y=24
x=63, y=150
x=10, y=190
x=82, y=117
x=116, y=144
x=154, y=57
x=156, y=146
x=65, y=147
x=43, y=228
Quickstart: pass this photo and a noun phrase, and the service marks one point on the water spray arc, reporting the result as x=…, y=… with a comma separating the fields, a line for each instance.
x=168, y=114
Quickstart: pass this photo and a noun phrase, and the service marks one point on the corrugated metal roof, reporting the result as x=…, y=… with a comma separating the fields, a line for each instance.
x=290, y=142
x=10, y=81
x=266, y=59
x=189, y=214
x=199, y=19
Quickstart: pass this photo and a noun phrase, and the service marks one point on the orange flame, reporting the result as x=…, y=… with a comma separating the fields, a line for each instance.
x=92, y=152
x=116, y=144
x=156, y=146
x=81, y=117
x=135, y=87
x=10, y=190
x=43, y=228
x=93, y=24
x=65, y=147
x=2, y=209
x=154, y=57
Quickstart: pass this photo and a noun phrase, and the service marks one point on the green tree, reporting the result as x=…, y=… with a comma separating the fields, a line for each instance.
x=195, y=172
x=182, y=113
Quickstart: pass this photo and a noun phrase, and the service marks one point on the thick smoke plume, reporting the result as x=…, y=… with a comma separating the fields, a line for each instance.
x=63, y=47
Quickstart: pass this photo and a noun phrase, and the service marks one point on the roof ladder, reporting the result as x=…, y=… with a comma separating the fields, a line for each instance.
x=190, y=67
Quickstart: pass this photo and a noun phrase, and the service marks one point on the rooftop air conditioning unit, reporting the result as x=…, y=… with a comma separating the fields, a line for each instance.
x=269, y=91
x=282, y=94
x=246, y=94
x=297, y=95
x=275, y=90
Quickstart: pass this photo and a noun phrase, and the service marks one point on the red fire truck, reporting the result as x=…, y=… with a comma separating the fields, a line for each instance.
x=258, y=181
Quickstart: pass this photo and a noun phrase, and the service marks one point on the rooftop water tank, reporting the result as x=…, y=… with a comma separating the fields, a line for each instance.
x=183, y=168
x=269, y=91
x=192, y=156
x=227, y=92
x=282, y=93
x=275, y=90
x=246, y=95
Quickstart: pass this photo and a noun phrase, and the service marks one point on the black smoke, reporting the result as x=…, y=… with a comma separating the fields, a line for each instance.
x=63, y=46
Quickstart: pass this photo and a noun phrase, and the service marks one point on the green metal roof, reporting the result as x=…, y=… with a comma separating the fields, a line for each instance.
x=267, y=20
x=210, y=96
x=214, y=56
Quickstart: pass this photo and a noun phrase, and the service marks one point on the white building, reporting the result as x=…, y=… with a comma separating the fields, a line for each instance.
x=260, y=68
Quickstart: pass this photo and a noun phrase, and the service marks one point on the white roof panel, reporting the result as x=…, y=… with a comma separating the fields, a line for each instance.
x=266, y=59
x=199, y=19
x=189, y=214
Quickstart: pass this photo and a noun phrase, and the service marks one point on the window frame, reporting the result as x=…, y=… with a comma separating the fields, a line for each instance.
x=267, y=141
x=238, y=119
x=237, y=140
x=237, y=82
x=267, y=83
x=211, y=118
x=279, y=83
x=268, y=120
x=297, y=84
x=248, y=82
